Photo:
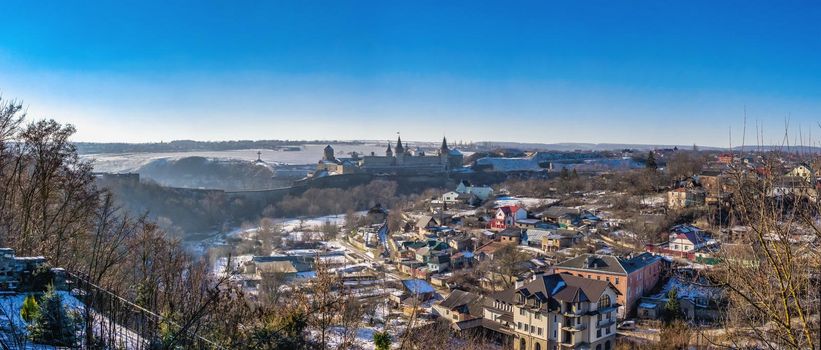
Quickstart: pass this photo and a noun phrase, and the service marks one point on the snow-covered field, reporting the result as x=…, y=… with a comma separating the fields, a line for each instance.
x=294, y=225
x=526, y=202
x=655, y=201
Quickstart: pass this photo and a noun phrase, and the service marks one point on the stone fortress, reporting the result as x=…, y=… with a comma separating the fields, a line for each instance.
x=396, y=161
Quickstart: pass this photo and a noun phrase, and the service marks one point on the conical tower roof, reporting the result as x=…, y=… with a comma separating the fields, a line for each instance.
x=399, y=148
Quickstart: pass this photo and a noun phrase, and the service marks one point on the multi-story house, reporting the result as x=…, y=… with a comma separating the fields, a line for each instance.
x=553, y=312
x=684, y=198
x=633, y=277
x=687, y=238
x=507, y=216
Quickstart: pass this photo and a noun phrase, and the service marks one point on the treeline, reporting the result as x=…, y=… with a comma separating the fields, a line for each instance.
x=325, y=201
x=201, y=172
x=190, y=145
x=186, y=211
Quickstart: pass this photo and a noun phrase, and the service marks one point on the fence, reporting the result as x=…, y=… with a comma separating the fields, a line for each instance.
x=113, y=322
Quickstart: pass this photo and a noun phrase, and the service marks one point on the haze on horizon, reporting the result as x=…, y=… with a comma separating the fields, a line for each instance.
x=546, y=72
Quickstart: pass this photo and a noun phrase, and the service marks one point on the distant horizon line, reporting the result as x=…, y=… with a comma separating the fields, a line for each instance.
x=588, y=146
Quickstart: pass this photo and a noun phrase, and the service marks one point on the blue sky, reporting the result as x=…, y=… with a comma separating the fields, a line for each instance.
x=541, y=71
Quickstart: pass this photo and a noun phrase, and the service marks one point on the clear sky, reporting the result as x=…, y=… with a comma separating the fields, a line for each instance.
x=677, y=72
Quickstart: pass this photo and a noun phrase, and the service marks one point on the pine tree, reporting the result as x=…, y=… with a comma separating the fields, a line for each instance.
x=651, y=161
x=672, y=310
x=382, y=340
x=30, y=308
x=53, y=325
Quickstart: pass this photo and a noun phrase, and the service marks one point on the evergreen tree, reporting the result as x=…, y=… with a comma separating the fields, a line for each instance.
x=382, y=340
x=53, y=325
x=672, y=310
x=564, y=174
x=651, y=161
x=30, y=308
x=574, y=175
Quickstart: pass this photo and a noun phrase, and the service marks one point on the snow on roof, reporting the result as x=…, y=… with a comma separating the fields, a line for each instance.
x=417, y=286
x=510, y=164
x=647, y=306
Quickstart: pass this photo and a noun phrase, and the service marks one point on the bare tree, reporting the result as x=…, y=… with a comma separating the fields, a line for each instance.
x=772, y=279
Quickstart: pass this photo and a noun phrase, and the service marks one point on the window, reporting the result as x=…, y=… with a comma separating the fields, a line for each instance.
x=521, y=312
x=599, y=317
x=607, y=330
x=532, y=329
x=598, y=333
x=537, y=315
x=555, y=319
x=608, y=315
x=539, y=330
x=604, y=301
x=617, y=281
x=607, y=278
x=598, y=278
x=519, y=325
x=538, y=346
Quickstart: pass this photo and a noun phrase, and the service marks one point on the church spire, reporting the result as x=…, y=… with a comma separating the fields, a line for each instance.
x=399, y=148
x=389, y=151
x=444, y=148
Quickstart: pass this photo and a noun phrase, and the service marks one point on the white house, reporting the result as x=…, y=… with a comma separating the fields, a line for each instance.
x=803, y=171
x=451, y=197
x=687, y=238
x=481, y=192
x=507, y=216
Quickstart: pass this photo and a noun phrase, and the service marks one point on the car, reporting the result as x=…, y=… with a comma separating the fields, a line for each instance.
x=627, y=325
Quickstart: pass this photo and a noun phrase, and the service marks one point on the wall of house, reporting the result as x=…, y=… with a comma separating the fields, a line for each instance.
x=641, y=282
x=529, y=319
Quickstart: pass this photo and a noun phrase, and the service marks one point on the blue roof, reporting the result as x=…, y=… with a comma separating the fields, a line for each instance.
x=417, y=286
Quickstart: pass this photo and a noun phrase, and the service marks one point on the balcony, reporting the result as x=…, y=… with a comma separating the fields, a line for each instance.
x=605, y=323
x=574, y=312
x=575, y=328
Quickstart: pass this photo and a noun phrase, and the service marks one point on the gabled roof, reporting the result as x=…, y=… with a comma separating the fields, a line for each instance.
x=565, y=287
x=459, y=298
x=424, y=221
